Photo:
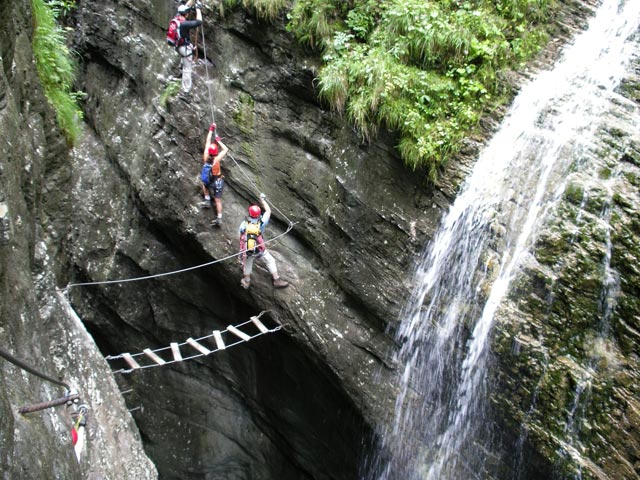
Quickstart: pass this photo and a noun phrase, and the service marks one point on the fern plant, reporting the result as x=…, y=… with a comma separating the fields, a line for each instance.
x=55, y=69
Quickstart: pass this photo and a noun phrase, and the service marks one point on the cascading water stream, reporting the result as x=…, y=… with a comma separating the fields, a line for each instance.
x=608, y=299
x=439, y=430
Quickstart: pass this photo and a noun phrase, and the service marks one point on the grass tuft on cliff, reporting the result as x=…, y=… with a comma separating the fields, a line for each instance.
x=55, y=67
x=425, y=69
x=268, y=9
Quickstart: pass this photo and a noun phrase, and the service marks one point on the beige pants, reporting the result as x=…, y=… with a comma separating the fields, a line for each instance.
x=186, y=53
x=267, y=259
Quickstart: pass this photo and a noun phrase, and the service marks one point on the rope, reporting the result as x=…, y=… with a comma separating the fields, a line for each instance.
x=4, y=353
x=174, y=272
x=213, y=119
x=258, y=189
x=206, y=69
x=168, y=362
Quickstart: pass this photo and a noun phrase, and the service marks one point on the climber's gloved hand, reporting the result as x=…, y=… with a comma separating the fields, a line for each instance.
x=212, y=127
x=262, y=196
x=218, y=138
x=198, y=6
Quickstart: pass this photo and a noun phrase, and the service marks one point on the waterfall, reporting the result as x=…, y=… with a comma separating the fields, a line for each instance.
x=440, y=428
x=607, y=301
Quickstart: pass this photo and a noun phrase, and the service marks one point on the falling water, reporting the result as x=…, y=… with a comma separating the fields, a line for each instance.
x=607, y=302
x=439, y=430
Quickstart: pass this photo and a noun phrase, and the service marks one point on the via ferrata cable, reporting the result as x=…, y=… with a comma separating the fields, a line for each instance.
x=206, y=69
x=16, y=361
x=213, y=119
x=182, y=270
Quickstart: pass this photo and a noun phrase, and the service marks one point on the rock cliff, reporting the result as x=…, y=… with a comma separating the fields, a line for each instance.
x=37, y=324
x=294, y=404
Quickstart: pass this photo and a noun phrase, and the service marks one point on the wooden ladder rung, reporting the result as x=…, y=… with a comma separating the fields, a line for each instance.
x=218, y=337
x=238, y=333
x=175, y=349
x=259, y=324
x=201, y=348
x=153, y=356
x=129, y=359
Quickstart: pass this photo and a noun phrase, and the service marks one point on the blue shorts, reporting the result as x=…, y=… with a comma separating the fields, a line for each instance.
x=216, y=187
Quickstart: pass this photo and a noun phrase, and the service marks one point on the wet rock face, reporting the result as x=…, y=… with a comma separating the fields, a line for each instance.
x=568, y=339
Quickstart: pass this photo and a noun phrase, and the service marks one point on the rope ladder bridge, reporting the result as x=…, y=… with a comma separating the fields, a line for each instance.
x=194, y=348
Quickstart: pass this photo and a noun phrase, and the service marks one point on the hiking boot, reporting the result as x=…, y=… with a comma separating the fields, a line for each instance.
x=205, y=204
x=217, y=222
x=245, y=282
x=279, y=283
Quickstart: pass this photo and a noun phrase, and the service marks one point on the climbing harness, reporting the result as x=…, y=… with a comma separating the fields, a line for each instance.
x=134, y=361
x=253, y=238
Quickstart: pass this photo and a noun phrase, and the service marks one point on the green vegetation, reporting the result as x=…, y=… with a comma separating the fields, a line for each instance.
x=63, y=6
x=55, y=67
x=244, y=114
x=422, y=68
x=170, y=91
x=268, y=9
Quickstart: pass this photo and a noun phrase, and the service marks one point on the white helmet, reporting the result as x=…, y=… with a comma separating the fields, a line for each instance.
x=182, y=9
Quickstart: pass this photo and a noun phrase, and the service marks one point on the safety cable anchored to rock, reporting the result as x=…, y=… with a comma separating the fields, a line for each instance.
x=213, y=120
x=206, y=70
x=173, y=272
x=134, y=361
x=51, y=403
x=16, y=361
x=71, y=397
